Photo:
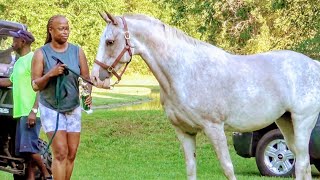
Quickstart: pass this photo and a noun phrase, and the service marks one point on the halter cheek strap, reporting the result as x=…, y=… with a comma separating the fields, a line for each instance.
x=128, y=46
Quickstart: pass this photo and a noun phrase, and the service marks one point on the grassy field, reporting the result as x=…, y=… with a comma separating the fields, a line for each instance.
x=138, y=142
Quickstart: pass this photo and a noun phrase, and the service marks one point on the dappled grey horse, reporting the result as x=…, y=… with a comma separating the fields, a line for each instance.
x=203, y=87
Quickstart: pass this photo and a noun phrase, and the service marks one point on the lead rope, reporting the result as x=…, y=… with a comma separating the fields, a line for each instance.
x=59, y=85
x=60, y=82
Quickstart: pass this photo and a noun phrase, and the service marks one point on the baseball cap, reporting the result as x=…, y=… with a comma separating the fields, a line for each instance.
x=27, y=36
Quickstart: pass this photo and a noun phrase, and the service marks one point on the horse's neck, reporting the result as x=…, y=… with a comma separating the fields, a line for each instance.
x=168, y=55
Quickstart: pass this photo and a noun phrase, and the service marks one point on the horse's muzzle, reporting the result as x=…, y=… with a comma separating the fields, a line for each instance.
x=104, y=74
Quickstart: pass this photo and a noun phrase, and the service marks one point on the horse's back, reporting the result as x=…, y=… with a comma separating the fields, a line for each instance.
x=293, y=75
x=253, y=88
x=288, y=82
x=300, y=74
x=294, y=71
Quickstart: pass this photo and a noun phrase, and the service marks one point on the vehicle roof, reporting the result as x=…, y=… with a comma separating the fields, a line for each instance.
x=5, y=48
x=6, y=26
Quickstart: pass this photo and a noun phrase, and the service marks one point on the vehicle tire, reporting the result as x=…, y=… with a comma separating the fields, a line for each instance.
x=317, y=165
x=46, y=158
x=273, y=157
x=19, y=177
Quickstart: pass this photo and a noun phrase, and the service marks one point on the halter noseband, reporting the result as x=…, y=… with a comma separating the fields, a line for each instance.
x=111, y=69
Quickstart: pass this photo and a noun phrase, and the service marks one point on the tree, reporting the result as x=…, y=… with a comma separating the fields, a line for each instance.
x=85, y=21
x=247, y=26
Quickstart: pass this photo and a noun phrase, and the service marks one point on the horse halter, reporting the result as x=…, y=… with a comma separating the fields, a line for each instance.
x=111, y=69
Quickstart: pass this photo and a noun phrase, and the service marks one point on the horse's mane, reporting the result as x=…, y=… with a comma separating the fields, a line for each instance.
x=168, y=30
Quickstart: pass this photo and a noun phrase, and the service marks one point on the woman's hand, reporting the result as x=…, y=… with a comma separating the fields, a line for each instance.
x=88, y=100
x=57, y=70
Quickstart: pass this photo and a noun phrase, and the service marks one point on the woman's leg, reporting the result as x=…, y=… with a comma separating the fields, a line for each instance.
x=73, y=136
x=73, y=143
x=59, y=144
x=60, y=152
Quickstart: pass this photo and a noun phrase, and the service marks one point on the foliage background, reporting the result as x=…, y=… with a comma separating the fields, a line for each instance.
x=248, y=26
x=238, y=26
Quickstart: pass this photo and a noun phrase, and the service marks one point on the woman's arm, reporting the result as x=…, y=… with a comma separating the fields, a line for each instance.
x=84, y=72
x=39, y=81
x=84, y=68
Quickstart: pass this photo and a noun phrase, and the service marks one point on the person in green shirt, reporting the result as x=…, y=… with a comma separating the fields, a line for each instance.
x=25, y=104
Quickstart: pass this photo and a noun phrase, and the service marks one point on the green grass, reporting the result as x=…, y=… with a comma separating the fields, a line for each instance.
x=127, y=92
x=141, y=144
x=138, y=142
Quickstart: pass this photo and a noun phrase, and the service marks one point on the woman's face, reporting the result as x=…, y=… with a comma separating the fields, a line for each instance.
x=59, y=30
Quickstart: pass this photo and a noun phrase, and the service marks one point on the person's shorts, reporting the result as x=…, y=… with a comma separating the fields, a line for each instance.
x=27, y=138
x=68, y=121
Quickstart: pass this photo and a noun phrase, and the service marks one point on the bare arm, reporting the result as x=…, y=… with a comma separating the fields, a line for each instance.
x=84, y=72
x=39, y=81
x=5, y=82
x=84, y=69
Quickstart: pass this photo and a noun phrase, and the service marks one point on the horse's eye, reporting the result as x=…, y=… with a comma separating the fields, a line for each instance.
x=109, y=42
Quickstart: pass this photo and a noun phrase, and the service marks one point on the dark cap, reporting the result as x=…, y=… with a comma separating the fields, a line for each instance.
x=27, y=36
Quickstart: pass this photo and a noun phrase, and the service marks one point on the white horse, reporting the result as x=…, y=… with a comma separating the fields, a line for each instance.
x=203, y=87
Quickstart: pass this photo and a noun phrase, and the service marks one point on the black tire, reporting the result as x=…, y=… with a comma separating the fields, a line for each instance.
x=46, y=158
x=317, y=165
x=19, y=177
x=273, y=157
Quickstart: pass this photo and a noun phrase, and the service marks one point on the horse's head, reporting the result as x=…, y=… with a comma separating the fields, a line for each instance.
x=114, y=51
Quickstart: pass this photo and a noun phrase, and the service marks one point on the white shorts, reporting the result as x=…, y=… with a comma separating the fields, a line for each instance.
x=68, y=121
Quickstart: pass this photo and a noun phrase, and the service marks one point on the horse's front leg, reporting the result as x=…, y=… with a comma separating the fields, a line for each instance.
x=188, y=142
x=217, y=137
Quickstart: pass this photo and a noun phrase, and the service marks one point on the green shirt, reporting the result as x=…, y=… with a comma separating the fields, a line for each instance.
x=23, y=94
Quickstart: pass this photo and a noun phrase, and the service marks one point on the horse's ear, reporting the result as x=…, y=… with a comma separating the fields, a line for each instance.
x=105, y=17
x=113, y=20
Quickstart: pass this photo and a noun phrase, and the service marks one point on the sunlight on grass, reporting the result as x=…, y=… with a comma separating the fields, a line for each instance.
x=124, y=89
x=132, y=93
